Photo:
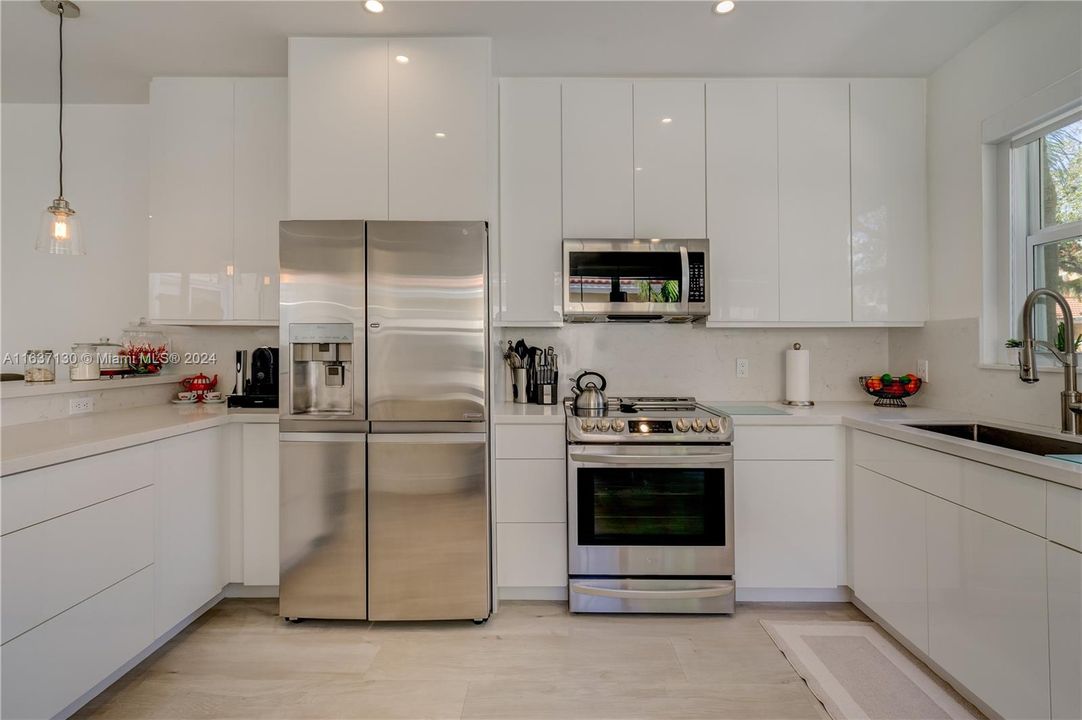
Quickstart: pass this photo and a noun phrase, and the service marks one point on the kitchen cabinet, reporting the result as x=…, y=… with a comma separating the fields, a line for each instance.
x=190, y=555
x=1065, y=630
x=438, y=114
x=889, y=213
x=260, y=503
x=988, y=608
x=598, y=159
x=742, y=199
x=530, y=471
x=338, y=123
x=531, y=203
x=787, y=528
x=813, y=201
x=191, y=198
x=670, y=159
x=217, y=192
x=889, y=552
x=259, y=194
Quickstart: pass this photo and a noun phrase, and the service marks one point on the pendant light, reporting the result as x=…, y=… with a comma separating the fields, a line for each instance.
x=60, y=233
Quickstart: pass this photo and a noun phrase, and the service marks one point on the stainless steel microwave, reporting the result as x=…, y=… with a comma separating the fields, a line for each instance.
x=657, y=280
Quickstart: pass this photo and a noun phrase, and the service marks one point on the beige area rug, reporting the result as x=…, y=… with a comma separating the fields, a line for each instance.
x=857, y=672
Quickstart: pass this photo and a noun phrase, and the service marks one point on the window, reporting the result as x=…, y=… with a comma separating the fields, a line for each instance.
x=1046, y=223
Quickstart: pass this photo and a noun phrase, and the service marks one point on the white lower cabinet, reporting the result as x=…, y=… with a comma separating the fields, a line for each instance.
x=1065, y=630
x=531, y=555
x=52, y=666
x=260, y=503
x=889, y=558
x=190, y=494
x=988, y=608
x=786, y=523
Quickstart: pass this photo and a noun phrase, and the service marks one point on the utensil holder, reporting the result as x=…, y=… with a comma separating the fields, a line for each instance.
x=518, y=387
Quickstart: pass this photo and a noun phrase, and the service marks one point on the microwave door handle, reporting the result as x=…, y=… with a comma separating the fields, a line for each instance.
x=700, y=460
x=685, y=275
x=703, y=592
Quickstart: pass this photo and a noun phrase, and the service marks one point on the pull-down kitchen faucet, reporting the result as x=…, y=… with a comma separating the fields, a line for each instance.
x=1070, y=398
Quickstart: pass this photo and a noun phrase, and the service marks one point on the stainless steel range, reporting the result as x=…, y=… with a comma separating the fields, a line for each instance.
x=650, y=508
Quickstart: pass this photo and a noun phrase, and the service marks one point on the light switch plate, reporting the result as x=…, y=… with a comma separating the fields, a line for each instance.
x=741, y=367
x=78, y=406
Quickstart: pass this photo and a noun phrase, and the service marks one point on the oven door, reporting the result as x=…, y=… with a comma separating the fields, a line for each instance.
x=635, y=279
x=656, y=511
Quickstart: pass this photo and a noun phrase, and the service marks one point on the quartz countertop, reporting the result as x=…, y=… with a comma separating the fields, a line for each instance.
x=33, y=445
x=888, y=422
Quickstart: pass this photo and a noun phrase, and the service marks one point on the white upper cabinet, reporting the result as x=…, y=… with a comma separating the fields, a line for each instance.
x=670, y=159
x=813, y=201
x=598, y=159
x=338, y=113
x=259, y=194
x=531, y=284
x=218, y=190
x=742, y=199
x=889, y=223
x=191, y=198
x=439, y=128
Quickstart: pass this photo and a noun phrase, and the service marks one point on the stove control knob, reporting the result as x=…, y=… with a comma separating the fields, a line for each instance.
x=698, y=425
x=713, y=425
x=587, y=425
x=603, y=425
x=682, y=425
x=618, y=425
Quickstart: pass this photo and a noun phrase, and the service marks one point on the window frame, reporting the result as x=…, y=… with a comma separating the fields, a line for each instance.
x=1026, y=233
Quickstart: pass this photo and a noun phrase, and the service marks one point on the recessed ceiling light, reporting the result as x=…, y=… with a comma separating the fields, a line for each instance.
x=666, y=121
x=441, y=134
x=373, y=6
x=724, y=7
x=638, y=169
x=401, y=59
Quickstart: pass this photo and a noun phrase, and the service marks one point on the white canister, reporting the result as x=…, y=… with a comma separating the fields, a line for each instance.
x=84, y=362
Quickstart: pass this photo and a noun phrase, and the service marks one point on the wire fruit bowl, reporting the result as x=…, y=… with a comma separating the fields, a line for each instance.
x=891, y=393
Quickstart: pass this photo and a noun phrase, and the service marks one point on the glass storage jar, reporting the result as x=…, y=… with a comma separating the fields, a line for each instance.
x=145, y=349
x=40, y=366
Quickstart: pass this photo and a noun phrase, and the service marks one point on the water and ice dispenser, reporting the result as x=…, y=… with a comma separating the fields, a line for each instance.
x=321, y=368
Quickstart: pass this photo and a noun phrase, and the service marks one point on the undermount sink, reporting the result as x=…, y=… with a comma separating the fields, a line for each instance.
x=1004, y=438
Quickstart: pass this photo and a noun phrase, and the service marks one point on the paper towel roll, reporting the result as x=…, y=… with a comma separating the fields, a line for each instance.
x=797, y=376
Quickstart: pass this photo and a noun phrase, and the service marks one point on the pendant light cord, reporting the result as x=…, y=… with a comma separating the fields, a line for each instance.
x=60, y=123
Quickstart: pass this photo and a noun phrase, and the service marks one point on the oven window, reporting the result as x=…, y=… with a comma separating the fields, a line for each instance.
x=624, y=277
x=651, y=506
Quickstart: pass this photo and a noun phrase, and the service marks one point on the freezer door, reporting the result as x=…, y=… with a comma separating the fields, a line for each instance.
x=426, y=321
x=322, y=525
x=428, y=534
x=322, y=288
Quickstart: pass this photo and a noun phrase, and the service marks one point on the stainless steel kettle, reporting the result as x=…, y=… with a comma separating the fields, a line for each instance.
x=589, y=400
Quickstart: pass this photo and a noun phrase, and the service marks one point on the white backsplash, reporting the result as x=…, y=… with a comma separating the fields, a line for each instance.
x=693, y=360
x=219, y=342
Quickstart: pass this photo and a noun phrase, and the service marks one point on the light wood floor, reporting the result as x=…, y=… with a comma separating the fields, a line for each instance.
x=531, y=660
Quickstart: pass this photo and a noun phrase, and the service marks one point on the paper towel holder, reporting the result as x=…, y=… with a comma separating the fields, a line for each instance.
x=798, y=403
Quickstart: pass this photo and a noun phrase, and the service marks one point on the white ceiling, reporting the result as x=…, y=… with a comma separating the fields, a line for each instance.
x=116, y=47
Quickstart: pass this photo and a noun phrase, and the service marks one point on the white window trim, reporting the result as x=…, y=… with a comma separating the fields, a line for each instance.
x=1005, y=234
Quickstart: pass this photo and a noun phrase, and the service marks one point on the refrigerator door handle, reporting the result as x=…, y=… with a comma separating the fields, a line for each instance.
x=322, y=437
x=438, y=438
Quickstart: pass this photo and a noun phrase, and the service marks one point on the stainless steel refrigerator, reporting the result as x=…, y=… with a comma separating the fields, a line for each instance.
x=383, y=452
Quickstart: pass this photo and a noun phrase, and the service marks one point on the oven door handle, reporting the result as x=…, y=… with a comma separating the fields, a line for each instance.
x=667, y=460
x=703, y=592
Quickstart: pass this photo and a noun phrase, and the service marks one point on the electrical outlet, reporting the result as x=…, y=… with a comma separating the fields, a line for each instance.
x=922, y=370
x=741, y=367
x=78, y=406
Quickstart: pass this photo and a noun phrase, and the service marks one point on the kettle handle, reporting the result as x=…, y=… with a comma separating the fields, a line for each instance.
x=587, y=373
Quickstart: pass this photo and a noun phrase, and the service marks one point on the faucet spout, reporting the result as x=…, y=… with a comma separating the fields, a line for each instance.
x=1071, y=400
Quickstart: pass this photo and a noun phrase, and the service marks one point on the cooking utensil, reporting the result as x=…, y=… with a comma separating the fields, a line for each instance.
x=589, y=399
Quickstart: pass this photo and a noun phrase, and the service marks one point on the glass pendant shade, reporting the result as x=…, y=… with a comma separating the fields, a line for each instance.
x=59, y=232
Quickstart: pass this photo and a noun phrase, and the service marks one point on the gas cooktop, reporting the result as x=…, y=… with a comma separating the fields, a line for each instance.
x=652, y=420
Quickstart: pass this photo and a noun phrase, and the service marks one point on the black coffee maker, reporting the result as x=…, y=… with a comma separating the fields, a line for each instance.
x=261, y=388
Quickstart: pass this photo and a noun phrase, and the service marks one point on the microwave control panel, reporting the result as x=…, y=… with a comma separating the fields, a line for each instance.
x=696, y=277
